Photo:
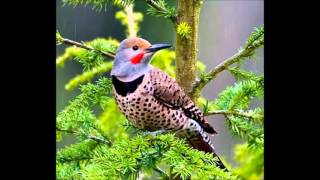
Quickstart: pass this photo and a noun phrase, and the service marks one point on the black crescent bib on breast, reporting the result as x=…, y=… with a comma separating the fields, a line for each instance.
x=123, y=88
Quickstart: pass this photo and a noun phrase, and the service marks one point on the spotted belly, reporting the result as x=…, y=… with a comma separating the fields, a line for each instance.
x=146, y=112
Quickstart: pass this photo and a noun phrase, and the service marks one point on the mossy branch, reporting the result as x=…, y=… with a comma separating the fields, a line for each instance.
x=61, y=40
x=255, y=41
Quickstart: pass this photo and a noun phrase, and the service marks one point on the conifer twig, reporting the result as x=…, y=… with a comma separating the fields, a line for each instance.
x=160, y=9
x=226, y=112
x=161, y=172
x=82, y=45
x=94, y=138
x=100, y=140
x=65, y=130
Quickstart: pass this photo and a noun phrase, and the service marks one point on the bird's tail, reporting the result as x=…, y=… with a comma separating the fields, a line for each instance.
x=200, y=140
x=201, y=144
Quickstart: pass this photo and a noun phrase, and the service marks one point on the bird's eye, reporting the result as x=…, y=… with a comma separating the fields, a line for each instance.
x=135, y=47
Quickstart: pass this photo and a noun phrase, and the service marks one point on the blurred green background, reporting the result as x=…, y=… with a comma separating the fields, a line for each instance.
x=224, y=27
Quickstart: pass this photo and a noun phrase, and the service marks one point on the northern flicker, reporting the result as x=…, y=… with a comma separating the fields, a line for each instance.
x=152, y=100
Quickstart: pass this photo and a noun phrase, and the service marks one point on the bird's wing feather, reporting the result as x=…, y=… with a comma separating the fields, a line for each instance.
x=167, y=91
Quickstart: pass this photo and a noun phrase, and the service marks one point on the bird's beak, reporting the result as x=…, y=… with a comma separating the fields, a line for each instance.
x=157, y=47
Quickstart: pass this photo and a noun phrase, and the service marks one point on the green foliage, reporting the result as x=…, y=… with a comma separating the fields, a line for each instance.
x=241, y=74
x=78, y=113
x=142, y=153
x=239, y=95
x=69, y=53
x=184, y=30
x=161, y=9
x=256, y=39
x=76, y=152
x=88, y=58
x=93, y=58
x=251, y=163
x=88, y=75
x=97, y=4
x=112, y=121
x=59, y=38
x=247, y=124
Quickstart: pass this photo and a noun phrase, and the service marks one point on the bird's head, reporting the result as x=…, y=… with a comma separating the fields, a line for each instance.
x=133, y=56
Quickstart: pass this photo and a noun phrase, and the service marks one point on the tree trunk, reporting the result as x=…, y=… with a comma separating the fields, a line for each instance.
x=186, y=48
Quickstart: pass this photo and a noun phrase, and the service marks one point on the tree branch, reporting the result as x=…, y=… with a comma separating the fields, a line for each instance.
x=161, y=10
x=243, y=53
x=82, y=45
x=226, y=112
x=161, y=172
x=100, y=140
x=94, y=138
x=65, y=130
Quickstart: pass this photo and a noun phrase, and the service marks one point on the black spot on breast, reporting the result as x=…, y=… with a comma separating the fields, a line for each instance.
x=123, y=88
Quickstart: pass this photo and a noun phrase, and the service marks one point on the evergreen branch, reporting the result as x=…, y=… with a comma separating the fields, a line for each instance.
x=66, y=130
x=103, y=140
x=255, y=115
x=98, y=4
x=84, y=46
x=252, y=132
x=255, y=41
x=88, y=75
x=229, y=112
x=77, y=114
x=162, y=173
x=239, y=95
x=160, y=9
x=76, y=152
x=100, y=140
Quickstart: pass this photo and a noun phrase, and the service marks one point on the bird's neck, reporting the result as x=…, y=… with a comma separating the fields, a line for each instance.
x=135, y=74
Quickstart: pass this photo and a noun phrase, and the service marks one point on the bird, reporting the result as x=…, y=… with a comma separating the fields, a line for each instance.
x=151, y=100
